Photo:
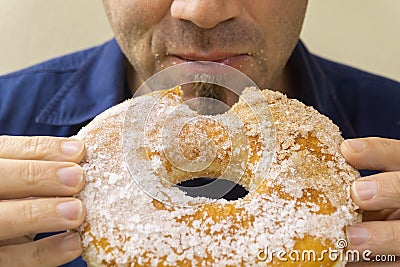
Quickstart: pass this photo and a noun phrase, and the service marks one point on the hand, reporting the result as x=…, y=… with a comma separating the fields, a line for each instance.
x=38, y=176
x=378, y=195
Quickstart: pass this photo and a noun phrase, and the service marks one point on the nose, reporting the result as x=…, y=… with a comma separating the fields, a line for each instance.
x=205, y=13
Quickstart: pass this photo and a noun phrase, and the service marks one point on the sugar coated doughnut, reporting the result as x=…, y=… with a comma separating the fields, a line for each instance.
x=298, y=184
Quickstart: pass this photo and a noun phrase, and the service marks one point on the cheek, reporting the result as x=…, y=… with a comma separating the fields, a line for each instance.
x=133, y=23
x=284, y=23
x=273, y=10
x=142, y=12
x=280, y=22
x=278, y=19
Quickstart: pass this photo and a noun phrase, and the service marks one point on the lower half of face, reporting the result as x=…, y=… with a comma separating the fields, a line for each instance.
x=254, y=36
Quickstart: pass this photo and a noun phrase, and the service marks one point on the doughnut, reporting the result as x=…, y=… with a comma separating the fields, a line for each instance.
x=298, y=189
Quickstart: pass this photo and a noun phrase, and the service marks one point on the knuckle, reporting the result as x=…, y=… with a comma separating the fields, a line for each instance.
x=30, y=212
x=29, y=173
x=395, y=183
x=37, y=144
x=37, y=253
x=385, y=144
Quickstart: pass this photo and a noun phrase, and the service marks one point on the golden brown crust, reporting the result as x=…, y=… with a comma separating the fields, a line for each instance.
x=301, y=202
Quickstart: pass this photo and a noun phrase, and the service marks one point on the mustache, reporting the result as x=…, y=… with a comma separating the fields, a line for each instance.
x=230, y=34
x=204, y=94
x=209, y=89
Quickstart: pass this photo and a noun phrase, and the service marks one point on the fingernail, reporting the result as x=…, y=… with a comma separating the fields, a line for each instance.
x=71, y=242
x=70, y=176
x=357, y=235
x=70, y=210
x=354, y=145
x=365, y=190
x=72, y=148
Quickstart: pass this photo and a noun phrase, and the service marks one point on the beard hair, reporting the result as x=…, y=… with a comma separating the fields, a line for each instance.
x=210, y=98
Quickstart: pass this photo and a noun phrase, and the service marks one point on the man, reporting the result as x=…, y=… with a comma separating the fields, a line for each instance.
x=260, y=38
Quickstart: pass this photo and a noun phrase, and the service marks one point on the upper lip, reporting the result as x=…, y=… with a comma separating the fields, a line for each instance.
x=207, y=57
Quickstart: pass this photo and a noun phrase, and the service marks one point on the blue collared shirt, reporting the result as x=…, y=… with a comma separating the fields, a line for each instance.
x=58, y=97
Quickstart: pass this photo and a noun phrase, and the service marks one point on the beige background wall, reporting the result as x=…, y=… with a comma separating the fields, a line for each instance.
x=362, y=33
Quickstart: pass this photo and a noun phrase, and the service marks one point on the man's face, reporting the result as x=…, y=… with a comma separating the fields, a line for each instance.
x=254, y=36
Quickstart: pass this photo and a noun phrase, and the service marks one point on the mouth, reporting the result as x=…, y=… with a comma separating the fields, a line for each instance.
x=233, y=60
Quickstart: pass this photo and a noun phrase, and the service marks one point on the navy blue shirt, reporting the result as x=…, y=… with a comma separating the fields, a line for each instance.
x=58, y=97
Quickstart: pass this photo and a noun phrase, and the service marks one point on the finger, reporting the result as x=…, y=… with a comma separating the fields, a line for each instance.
x=381, y=215
x=15, y=241
x=41, y=148
x=372, y=153
x=51, y=251
x=39, y=215
x=376, y=192
x=380, y=237
x=24, y=178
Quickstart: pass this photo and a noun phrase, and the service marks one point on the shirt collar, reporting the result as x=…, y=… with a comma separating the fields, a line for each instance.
x=316, y=89
x=98, y=84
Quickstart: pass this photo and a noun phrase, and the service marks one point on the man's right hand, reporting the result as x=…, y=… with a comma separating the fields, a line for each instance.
x=38, y=177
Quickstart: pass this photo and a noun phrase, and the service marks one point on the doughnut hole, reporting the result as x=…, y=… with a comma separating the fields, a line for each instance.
x=213, y=188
